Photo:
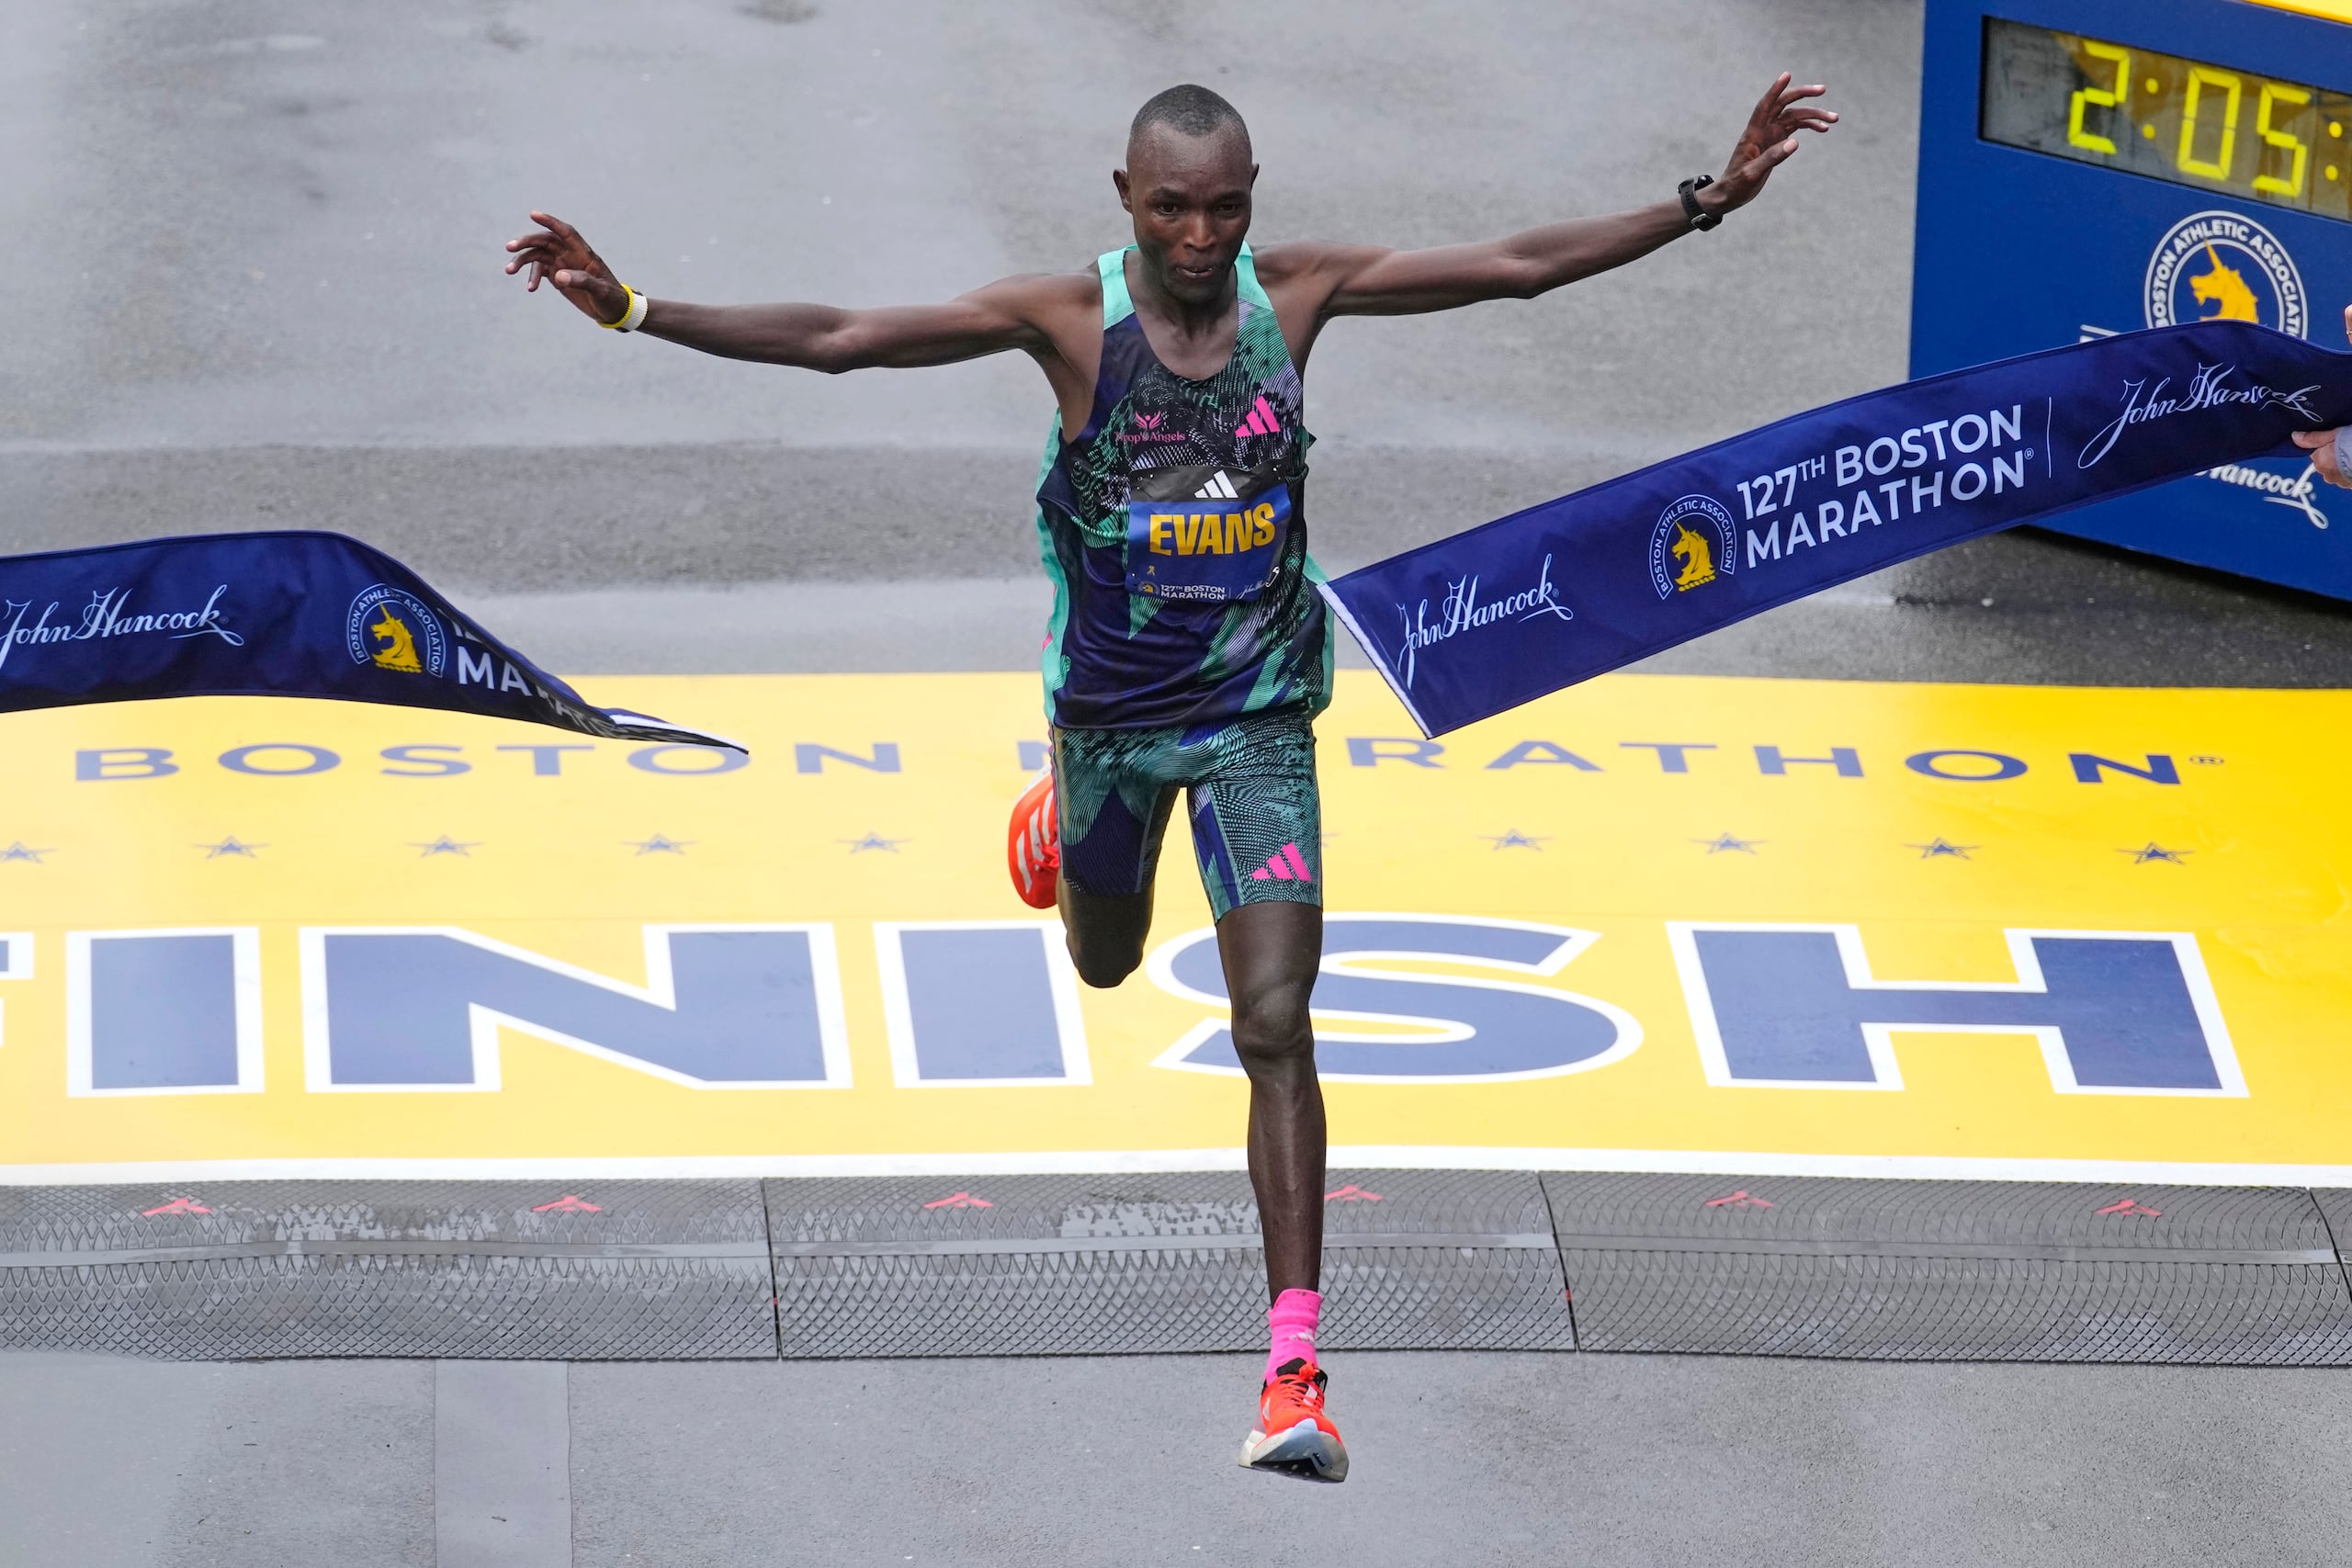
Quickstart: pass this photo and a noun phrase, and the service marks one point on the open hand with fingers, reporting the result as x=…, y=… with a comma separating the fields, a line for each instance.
x=2326, y=456
x=556, y=253
x=1769, y=141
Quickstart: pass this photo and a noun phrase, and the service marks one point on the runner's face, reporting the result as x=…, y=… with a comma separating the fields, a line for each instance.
x=1190, y=197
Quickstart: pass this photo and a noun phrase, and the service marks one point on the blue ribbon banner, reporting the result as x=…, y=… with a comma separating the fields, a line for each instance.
x=1470, y=626
x=286, y=614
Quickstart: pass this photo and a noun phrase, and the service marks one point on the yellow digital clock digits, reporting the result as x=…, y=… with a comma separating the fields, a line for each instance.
x=2144, y=112
x=2199, y=78
x=2104, y=97
x=2271, y=185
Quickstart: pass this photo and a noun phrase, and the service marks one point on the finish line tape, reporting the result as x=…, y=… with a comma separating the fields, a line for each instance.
x=1468, y=627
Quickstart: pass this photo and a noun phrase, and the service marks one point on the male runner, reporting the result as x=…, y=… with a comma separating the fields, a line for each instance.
x=1187, y=645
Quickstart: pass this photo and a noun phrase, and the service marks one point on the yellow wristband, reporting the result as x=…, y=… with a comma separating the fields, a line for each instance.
x=630, y=319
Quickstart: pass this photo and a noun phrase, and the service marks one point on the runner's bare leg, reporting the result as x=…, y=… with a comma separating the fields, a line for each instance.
x=1270, y=953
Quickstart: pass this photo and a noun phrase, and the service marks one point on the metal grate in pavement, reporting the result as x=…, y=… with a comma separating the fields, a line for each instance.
x=1091, y=1265
x=1958, y=1270
x=2335, y=1208
x=225, y=1271
x=1041, y=1265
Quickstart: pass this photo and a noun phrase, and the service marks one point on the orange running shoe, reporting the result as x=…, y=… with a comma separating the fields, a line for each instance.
x=1294, y=1436
x=1034, y=845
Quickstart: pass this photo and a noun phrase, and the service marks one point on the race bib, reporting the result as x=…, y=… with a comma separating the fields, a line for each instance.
x=1206, y=534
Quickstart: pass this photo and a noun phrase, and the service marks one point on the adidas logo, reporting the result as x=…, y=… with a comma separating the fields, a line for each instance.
x=1261, y=421
x=1219, y=489
x=1285, y=865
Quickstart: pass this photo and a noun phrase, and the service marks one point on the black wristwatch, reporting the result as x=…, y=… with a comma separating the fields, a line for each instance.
x=1699, y=216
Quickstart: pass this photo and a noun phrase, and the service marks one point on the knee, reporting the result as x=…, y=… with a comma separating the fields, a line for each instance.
x=1104, y=964
x=1272, y=1031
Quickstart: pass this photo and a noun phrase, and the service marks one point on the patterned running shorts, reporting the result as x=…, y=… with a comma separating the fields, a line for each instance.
x=1257, y=821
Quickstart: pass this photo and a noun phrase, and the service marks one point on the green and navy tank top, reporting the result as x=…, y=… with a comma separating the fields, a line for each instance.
x=1173, y=526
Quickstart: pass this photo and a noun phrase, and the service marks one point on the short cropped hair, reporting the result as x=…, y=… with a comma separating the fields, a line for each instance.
x=1191, y=110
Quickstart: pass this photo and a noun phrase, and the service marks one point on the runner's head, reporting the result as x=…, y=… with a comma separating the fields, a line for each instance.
x=1187, y=183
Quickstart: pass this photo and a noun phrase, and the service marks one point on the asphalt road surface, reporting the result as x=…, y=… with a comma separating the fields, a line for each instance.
x=253, y=280
x=1631, y=1462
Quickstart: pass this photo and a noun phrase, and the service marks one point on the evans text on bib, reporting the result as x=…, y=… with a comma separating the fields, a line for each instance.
x=1218, y=538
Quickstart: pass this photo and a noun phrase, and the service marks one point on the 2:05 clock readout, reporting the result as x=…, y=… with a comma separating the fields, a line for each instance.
x=2146, y=112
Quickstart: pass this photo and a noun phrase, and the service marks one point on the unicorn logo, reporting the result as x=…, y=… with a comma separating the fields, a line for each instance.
x=389, y=628
x=399, y=651
x=1698, y=563
x=2219, y=266
x=2225, y=288
x=1691, y=546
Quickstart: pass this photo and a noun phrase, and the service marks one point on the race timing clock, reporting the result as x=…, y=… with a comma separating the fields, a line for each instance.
x=2087, y=168
x=2146, y=112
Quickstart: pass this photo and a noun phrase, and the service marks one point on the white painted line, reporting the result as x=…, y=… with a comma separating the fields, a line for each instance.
x=1049, y=1162
x=16, y=963
x=81, y=1011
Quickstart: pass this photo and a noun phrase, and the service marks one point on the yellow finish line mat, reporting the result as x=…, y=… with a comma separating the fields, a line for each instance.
x=1654, y=923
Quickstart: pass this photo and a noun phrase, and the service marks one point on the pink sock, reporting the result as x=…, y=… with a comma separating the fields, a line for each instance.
x=1291, y=1319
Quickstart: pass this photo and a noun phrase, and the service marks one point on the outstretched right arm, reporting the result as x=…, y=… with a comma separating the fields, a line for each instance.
x=1021, y=313
x=824, y=337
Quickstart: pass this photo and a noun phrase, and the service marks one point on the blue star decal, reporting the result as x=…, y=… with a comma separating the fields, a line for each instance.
x=230, y=846
x=1944, y=849
x=873, y=842
x=1512, y=838
x=2151, y=851
x=659, y=845
x=1724, y=841
x=445, y=845
x=18, y=851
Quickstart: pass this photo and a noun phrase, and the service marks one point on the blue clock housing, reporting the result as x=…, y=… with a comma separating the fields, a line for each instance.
x=2245, y=110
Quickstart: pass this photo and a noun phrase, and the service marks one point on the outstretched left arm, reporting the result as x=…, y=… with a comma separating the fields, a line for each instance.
x=1366, y=280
